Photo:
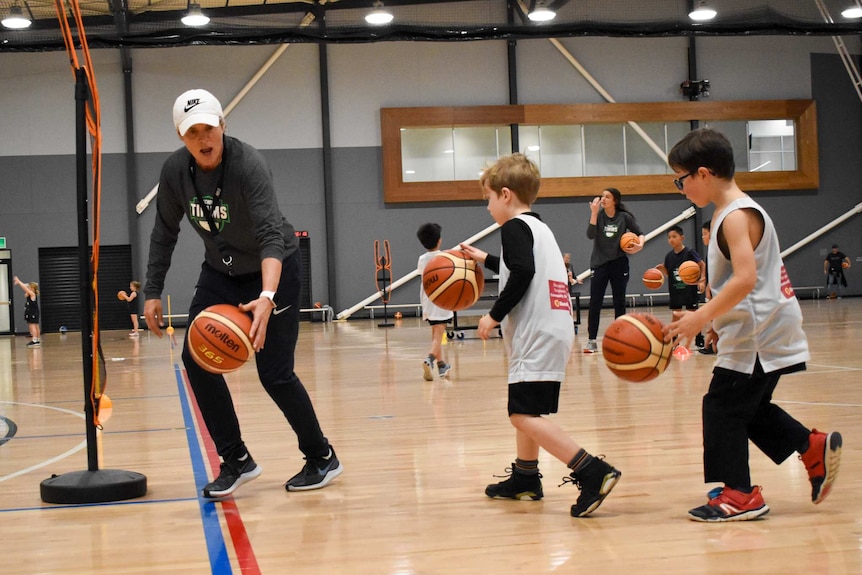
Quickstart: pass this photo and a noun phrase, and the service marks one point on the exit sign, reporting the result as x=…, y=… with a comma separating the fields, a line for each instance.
x=2, y=243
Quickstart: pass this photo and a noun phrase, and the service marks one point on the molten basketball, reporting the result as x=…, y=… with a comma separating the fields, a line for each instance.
x=689, y=272
x=634, y=349
x=453, y=280
x=218, y=338
x=627, y=239
x=121, y=295
x=653, y=278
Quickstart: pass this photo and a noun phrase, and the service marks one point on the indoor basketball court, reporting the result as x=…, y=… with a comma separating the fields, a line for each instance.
x=417, y=457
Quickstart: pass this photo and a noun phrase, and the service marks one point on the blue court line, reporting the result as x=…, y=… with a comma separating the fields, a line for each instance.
x=11, y=429
x=219, y=560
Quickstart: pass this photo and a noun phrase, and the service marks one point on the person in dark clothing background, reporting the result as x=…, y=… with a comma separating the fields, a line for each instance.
x=609, y=263
x=833, y=267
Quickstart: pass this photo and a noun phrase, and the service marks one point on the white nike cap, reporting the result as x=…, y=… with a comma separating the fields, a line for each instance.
x=196, y=107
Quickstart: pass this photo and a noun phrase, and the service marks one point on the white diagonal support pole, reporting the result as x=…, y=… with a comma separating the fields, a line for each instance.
x=687, y=213
x=403, y=280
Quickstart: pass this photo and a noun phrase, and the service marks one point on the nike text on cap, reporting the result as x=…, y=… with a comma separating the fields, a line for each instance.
x=196, y=107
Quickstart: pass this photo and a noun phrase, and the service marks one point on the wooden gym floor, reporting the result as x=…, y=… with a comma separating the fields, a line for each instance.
x=417, y=457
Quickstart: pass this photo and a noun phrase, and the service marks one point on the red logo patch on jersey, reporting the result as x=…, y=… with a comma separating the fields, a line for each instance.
x=559, y=296
x=786, y=287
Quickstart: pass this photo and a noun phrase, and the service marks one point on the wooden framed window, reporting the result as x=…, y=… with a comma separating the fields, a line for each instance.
x=436, y=154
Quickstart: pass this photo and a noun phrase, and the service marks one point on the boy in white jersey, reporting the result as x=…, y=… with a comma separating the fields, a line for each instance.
x=437, y=317
x=758, y=321
x=533, y=311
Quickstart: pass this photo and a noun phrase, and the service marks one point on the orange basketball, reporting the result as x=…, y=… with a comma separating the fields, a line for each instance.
x=453, y=280
x=121, y=295
x=634, y=349
x=689, y=272
x=845, y=265
x=653, y=278
x=627, y=239
x=218, y=338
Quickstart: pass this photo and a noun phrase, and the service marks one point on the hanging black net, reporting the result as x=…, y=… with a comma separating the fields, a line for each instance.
x=144, y=23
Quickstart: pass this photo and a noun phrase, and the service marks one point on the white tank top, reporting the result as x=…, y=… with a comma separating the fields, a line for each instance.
x=539, y=332
x=768, y=321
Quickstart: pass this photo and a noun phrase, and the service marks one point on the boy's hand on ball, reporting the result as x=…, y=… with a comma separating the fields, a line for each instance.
x=474, y=253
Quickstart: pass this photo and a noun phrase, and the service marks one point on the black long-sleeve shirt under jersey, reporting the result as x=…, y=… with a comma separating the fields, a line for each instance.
x=517, y=244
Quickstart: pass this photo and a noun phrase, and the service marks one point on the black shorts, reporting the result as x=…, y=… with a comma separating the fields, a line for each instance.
x=534, y=397
x=680, y=299
x=31, y=315
x=438, y=321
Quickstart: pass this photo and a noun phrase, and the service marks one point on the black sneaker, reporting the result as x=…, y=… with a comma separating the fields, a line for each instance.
x=595, y=482
x=35, y=343
x=699, y=341
x=316, y=473
x=232, y=475
x=518, y=486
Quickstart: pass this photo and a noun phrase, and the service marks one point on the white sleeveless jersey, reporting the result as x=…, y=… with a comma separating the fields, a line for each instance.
x=539, y=332
x=768, y=321
x=429, y=310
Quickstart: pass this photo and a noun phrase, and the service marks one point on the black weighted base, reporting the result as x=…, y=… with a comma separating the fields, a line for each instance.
x=93, y=486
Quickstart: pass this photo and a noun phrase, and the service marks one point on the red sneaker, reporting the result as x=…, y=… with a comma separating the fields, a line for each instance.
x=822, y=460
x=731, y=505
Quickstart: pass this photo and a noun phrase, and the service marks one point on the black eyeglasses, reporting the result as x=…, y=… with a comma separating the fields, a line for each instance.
x=679, y=182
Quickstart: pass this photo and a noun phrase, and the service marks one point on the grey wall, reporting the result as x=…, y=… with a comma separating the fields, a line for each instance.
x=282, y=117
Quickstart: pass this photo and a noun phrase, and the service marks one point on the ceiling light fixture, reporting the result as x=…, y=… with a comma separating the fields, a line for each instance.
x=16, y=19
x=853, y=12
x=542, y=14
x=702, y=12
x=194, y=17
x=379, y=16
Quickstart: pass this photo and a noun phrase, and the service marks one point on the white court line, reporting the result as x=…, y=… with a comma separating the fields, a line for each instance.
x=75, y=449
x=818, y=403
x=833, y=367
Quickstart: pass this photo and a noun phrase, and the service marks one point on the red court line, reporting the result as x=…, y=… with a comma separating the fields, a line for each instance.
x=239, y=536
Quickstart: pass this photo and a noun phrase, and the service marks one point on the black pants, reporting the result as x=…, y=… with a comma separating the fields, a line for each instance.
x=615, y=272
x=836, y=279
x=274, y=362
x=739, y=407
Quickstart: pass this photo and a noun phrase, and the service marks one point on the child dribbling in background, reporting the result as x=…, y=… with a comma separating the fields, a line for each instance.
x=681, y=294
x=437, y=317
x=132, y=301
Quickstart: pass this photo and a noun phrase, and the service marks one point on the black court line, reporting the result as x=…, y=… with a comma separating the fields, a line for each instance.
x=11, y=429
